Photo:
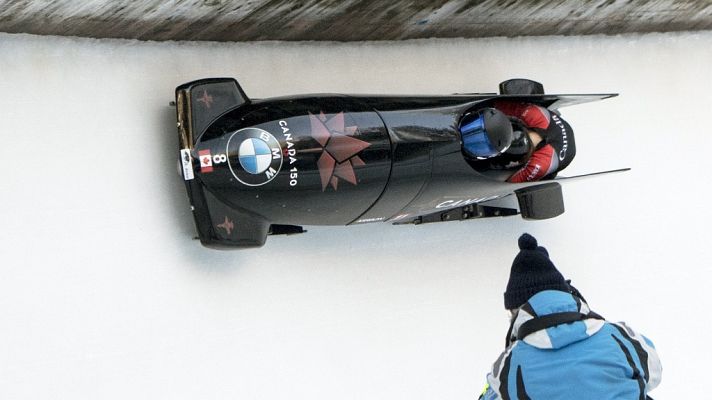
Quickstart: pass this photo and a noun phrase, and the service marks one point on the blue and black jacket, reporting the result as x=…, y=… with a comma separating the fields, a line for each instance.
x=559, y=349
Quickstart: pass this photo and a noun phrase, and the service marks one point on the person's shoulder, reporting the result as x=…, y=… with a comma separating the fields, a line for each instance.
x=535, y=116
x=538, y=110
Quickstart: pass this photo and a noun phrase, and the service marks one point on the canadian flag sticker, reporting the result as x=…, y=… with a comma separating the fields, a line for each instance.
x=206, y=161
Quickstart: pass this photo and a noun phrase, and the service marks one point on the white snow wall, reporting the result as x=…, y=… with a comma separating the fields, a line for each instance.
x=104, y=293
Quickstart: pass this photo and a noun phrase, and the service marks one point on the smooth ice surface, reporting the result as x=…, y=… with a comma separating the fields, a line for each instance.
x=104, y=294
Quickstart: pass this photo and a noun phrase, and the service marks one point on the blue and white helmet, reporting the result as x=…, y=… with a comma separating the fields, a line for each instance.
x=486, y=133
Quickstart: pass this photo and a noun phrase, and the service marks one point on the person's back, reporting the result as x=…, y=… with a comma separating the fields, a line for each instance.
x=587, y=359
x=557, y=348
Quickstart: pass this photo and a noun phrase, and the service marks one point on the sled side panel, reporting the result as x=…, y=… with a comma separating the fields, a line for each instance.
x=223, y=227
x=201, y=102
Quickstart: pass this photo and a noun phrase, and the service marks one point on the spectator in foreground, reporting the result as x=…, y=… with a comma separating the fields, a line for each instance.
x=557, y=348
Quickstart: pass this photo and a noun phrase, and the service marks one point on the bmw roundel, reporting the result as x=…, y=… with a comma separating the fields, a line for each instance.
x=254, y=156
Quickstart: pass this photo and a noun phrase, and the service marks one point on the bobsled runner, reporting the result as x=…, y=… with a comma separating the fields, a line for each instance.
x=259, y=167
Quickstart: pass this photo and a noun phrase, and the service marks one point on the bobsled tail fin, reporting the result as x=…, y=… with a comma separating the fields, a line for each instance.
x=527, y=90
x=545, y=200
x=198, y=103
x=521, y=86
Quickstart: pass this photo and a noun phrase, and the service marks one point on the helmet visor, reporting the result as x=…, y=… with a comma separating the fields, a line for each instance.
x=475, y=139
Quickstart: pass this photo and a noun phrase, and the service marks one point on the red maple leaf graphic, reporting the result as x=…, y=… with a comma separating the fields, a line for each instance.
x=206, y=99
x=340, y=149
x=227, y=225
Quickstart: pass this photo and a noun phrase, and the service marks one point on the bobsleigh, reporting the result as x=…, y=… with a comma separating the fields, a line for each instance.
x=260, y=167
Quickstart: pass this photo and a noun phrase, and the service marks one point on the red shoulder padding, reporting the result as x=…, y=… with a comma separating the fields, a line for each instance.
x=532, y=115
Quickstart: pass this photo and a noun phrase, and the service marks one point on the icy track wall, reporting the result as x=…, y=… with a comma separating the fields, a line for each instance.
x=104, y=293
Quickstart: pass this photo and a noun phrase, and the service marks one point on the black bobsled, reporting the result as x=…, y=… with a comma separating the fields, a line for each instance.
x=271, y=166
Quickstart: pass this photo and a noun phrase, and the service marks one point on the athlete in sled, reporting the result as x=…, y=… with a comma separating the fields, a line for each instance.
x=271, y=166
x=532, y=140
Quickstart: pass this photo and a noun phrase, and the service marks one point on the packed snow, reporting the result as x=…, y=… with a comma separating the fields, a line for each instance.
x=105, y=294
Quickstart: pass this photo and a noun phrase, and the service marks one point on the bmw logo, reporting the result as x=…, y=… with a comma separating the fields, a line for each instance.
x=254, y=156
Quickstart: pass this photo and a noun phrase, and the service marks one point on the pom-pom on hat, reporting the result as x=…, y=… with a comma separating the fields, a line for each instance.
x=532, y=272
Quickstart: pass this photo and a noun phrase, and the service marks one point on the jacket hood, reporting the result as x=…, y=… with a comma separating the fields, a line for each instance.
x=550, y=302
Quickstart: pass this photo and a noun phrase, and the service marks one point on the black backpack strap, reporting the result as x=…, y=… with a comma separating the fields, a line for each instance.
x=509, y=340
x=547, y=321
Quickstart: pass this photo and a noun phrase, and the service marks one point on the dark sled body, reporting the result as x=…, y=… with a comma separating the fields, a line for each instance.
x=271, y=166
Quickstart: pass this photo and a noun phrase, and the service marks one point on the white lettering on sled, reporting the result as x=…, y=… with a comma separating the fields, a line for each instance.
x=291, y=152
